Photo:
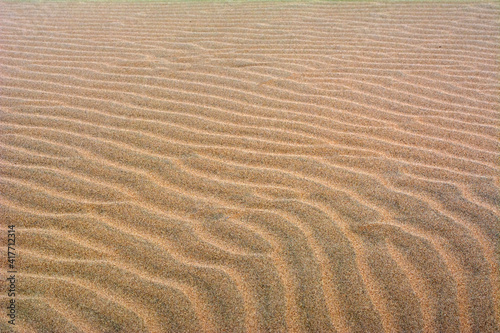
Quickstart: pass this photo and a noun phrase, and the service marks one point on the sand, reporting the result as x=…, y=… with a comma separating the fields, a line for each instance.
x=251, y=166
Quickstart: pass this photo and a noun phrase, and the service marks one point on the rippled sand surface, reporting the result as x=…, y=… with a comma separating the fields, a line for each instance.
x=251, y=166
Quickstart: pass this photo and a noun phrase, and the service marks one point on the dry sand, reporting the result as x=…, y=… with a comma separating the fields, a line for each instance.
x=251, y=167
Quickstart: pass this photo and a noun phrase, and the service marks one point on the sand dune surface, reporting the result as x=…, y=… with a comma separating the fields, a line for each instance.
x=251, y=166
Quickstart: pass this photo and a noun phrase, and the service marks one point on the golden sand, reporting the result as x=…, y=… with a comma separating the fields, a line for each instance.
x=251, y=166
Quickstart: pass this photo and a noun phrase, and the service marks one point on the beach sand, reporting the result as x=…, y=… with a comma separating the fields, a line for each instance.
x=250, y=166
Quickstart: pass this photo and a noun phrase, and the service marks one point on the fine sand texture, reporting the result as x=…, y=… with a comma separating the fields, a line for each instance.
x=250, y=166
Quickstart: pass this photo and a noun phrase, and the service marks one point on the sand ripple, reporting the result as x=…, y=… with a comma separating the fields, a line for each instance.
x=252, y=167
